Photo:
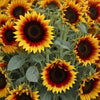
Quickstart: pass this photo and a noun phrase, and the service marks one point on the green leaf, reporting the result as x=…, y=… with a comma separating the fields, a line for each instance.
x=83, y=28
x=63, y=44
x=37, y=58
x=66, y=97
x=46, y=96
x=16, y=62
x=19, y=80
x=32, y=74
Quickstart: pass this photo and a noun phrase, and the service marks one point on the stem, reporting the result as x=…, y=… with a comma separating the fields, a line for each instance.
x=55, y=97
x=47, y=55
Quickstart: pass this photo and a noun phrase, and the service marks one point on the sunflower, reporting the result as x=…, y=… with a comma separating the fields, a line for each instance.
x=3, y=19
x=58, y=76
x=2, y=64
x=98, y=35
x=17, y=8
x=44, y=3
x=92, y=28
x=81, y=2
x=93, y=11
x=33, y=32
x=9, y=45
x=90, y=87
x=72, y=13
x=3, y=83
x=22, y=93
x=4, y=3
x=87, y=49
x=32, y=1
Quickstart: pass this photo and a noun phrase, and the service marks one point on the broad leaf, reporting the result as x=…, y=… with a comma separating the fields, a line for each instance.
x=32, y=74
x=16, y=62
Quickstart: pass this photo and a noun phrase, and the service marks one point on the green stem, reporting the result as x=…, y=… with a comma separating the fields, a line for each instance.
x=55, y=97
x=47, y=55
x=63, y=37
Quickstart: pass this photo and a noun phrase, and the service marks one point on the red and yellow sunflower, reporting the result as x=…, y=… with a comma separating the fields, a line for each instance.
x=72, y=14
x=33, y=32
x=3, y=84
x=87, y=49
x=4, y=3
x=93, y=11
x=90, y=87
x=44, y=3
x=3, y=19
x=17, y=8
x=2, y=64
x=22, y=93
x=58, y=76
x=9, y=45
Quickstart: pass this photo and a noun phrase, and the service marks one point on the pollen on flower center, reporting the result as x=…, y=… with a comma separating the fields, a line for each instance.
x=84, y=49
x=58, y=75
x=34, y=31
x=71, y=15
x=9, y=35
x=93, y=12
x=2, y=81
x=18, y=11
x=24, y=97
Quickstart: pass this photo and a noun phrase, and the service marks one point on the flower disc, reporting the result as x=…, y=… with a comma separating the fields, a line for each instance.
x=17, y=8
x=7, y=38
x=93, y=11
x=22, y=93
x=58, y=76
x=33, y=32
x=90, y=87
x=72, y=13
x=87, y=49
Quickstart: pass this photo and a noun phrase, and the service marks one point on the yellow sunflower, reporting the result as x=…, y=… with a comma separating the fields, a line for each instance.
x=90, y=87
x=98, y=35
x=87, y=49
x=93, y=11
x=32, y=1
x=33, y=32
x=3, y=19
x=72, y=13
x=81, y=2
x=9, y=45
x=58, y=76
x=44, y=3
x=4, y=3
x=2, y=64
x=22, y=93
x=92, y=28
x=17, y=8
x=3, y=83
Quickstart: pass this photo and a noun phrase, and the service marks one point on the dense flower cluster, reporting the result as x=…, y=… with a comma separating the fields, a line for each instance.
x=49, y=49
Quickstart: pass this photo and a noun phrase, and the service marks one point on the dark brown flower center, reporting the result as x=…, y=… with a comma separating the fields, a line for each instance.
x=9, y=35
x=88, y=87
x=18, y=11
x=84, y=49
x=34, y=32
x=2, y=81
x=71, y=15
x=23, y=96
x=93, y=12
x=58, y=75
x=52, y=4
